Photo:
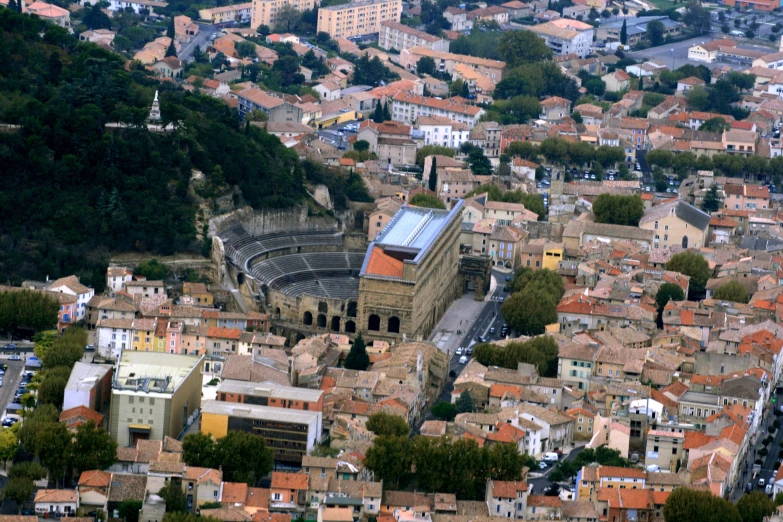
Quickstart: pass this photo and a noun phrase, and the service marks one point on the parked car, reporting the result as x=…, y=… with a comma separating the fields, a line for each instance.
x=762, y=482
x=463, y=360
x=469, y=351
x=492, y=330
x=10, y=346
x=14, y=358
x=459, y=351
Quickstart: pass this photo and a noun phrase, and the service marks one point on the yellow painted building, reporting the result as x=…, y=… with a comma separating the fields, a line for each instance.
x=553, y=254
x=199, y=293
x=357, y=18
x=264, y=12
x=143, y=335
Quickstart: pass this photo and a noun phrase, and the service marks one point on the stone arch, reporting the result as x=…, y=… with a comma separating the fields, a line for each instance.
x=308, y=319
x=393, y=324
x=299, y=337
x=352, y=307
x=240, y=278
x=374, y=323
x=321, y=321
x=350, y=327
x=277, y=311
x=336, y=323
x=508, y=264
x=684, y=241
x=323, y=307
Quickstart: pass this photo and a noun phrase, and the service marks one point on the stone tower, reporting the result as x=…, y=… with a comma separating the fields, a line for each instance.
x=155, y=110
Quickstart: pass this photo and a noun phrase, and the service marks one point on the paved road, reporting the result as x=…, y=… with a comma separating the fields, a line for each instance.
x=542, y=483
x=675, y=55
x=10, y=382
x=201, y=39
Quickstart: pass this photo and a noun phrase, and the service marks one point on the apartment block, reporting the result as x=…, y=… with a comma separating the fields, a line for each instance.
x=264, y=12
x=358, y=18
x=228, y=13
x=394, y=35
x=408, y=107
x=566, y=36
x=152, y=396
x=291, y=434
x=445, y=62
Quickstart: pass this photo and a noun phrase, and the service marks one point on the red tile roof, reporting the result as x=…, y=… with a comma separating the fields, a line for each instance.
x=696, y=439
x=384, y=265
x=283, y=480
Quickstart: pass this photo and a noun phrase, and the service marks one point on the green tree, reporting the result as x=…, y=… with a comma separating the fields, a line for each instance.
x=34, y=424
x=27, y=309
x=655, y=32
x=778, y=499
x=529, y=312
x=433, y=177
x=174, y=496
x=427, y=201
x=129, y=510
x=384, y=424
x=169, y=29
x=53, y=447
x=688, y=505
x=65, y=352
x=624, y=34
x=660, y=158
x=390, y=460
x=668, y=292
x=198, y=450
x=576, y=117
x=465, y=403
x=386, y=112
x=755, y=506
x=357, y=358
x=377, y=115
x=172, y=50
x=618, y=210
x=694, y=265
x=732, y=291
x=521, y=47
x=20, y=490
x=716, y=124
x=43, y=342
x=361, y=145
x=506, y=463
x=432, y=150
x=28, y=470
x=465, y=90
x=540, y=351
x=9, y=444
x=425, y=65
x=93, y=448
x=246, y=49
x=445, y=411
x=95, y=18
x=153, y=270
x=244, y=457
x=52, y=387
x=697, y=18
x=287, y=17
x=711, y=202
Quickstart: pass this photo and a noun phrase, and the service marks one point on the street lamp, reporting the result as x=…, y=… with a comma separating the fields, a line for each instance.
x=672, y=58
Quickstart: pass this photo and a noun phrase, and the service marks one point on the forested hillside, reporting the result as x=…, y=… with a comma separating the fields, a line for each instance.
x=71, y=190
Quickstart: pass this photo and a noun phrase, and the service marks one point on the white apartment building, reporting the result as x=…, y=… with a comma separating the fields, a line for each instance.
x=408, y=108
x=439, y=130
x=565, y=36
x=394, y=35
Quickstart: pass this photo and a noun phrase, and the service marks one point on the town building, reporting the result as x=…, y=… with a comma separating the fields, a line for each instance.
x=264, y=12
x=241, y=13
x=446, y=62
x=677, y=223
x=153, y=395
x=290, y=433
x=394, y=35
x=565, y=36
x=358, y=18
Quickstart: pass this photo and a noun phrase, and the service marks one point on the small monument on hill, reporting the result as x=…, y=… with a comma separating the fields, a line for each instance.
x=154, y=116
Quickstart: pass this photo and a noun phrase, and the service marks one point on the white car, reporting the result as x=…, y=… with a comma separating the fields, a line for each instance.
x=459, y=351
x=463, y=360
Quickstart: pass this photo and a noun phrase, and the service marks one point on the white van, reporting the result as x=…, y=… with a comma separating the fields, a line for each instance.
x=768, y=489
x=550, y=457
x=653, y=468
x=463, y=360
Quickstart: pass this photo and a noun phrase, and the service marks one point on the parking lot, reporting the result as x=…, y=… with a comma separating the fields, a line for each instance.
x=11, y=379
x=338, y=135
x=675, y=55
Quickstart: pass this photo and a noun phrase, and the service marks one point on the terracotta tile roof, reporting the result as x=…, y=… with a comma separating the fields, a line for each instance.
x=95, y=479
x=382, y=264
x=224, y=333
x=234, y=493
x=260, y=516
x=617, y=472
x=56, y=495
x=74, y=416
x=544, y=501
x=282, y=480
x=696, y=439
x=734, y=433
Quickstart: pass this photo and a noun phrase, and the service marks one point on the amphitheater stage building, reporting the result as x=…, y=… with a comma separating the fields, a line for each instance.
x=410, y=274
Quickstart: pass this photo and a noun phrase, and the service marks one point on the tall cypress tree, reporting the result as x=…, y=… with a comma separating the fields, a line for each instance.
x=377, y=116
x=386, y=112
x=170, y=30
x=433, y=181
x=171, y=51
x=357, y=358
x=641, y=83
x=465, y=92
x=624, y=34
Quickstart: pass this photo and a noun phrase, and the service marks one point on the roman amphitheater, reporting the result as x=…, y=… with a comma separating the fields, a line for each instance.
x=323, y=280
